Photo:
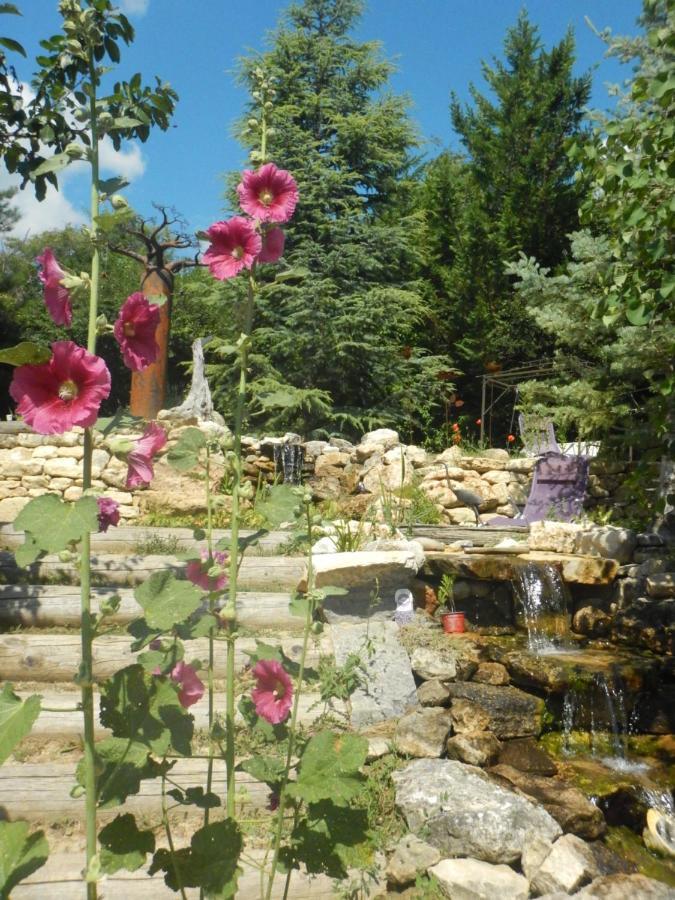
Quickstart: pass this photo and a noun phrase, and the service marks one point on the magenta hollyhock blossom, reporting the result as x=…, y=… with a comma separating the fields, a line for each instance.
x=66, y=391
x=234, y=246
x=197, y=572
x=57, y=297
x=191, y=687
x=273, y=695
x=108, y=513
x=139, y=460
x=135, y=332
x=273, y=246
x=269, y=194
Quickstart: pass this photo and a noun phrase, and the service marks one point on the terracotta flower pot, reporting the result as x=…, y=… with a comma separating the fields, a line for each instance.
x=453, y=623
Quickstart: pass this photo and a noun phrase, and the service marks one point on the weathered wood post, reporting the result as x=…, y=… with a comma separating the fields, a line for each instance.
x=148, y=388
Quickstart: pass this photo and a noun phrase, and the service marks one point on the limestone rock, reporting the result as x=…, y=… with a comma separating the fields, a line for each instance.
x=388, y=688
x=423, y=732
x=464, y=813
x=491, y=673
x=476, y=748
x=411, y=857
x=416, y=456
x=433, y=693
x=453, y=662
x=63, y=467
x=472, y=879
x=661, y=586
x=506, y=711
x=592, y=622
x=566, y=803
x=535, y=851
x=526, y=755
x=497, y=453
x=386, y=438
x=569, y=866
x=11, y=507
x=627, y=887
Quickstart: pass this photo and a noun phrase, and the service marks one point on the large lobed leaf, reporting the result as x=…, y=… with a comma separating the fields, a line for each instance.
x=123, y=845
x=329, y=768
x=167, y=601
x=21, y=854
x=210, y=862
x=51, y=525
x=16, y=719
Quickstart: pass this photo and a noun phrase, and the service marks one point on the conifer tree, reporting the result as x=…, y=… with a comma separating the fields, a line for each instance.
x=331, y=340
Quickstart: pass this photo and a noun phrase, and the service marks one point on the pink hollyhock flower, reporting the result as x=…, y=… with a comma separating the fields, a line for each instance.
x=108, y=513
x=139, y=460
x=273, y=695
x=66, y=391
x=272, y=246
x=191, y=687
x=234, y=246
x=269, y=194
x=57, y=297
x=197, y=572
x=135, y=332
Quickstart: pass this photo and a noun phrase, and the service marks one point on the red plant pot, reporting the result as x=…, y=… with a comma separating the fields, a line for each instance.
x=453, y=623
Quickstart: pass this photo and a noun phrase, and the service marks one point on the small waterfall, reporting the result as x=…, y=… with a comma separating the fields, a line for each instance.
x=289, y=459
x=543, y=596
x=662, y=800
x=598, y=708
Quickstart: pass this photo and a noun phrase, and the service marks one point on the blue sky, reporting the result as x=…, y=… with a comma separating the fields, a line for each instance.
x=437, y=46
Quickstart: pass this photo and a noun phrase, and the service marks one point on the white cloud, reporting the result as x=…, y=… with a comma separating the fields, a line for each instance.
x=134, y=7
x=55, y=211
x=127, y=162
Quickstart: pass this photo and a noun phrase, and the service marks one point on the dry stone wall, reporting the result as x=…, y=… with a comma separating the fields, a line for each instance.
x=359, y=476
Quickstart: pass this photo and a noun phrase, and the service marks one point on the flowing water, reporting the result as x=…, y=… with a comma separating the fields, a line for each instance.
x=543, y=596
x=289, y=459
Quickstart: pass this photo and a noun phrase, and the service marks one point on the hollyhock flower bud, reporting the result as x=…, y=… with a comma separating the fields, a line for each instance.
x=198, y=572
x=135, y=330
x=269, y=194
x=273, y=694
x=108, y=513
x=235, y=244
x=66, y=391
x=57, y=296
x=139, y=460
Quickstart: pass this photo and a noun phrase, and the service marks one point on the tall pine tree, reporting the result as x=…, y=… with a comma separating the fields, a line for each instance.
x=335, y=347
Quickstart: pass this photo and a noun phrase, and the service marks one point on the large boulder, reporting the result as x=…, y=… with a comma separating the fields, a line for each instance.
x=567, y=804
x=568, y=866
x=464, y=813
x=477, y=748
x=505, y=711
x=384, y=438
x=472, y=879
x=456, y=661
x=626, y=887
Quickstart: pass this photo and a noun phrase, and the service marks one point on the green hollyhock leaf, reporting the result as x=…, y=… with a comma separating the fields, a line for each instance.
x=146, y=709
x=53, y=524
x=123, y=764
x=185, y=454
x=142, y=633
x=278, y=506
x=329, y=768
x=25, y=353
x=299, y=605
x=121, y=419
x=210, y=862
x=21, y=854
x=167, y=601
x=54, y=164
x=329, y=840
x=269, y=769
x=16, y=719
x=195, y=796
x=123, y=846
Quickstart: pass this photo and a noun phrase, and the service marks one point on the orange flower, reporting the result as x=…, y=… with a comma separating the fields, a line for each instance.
x=478, y=421
x=455, y=426
x=511, y=438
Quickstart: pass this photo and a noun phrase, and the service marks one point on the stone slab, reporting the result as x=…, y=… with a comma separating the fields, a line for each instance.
x=389, y=687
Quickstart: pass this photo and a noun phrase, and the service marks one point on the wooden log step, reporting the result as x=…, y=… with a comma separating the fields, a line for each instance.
x=55, y=657
x=66, y=724
x=127, y=538
x=274, y=573
x=42, y=790
x=44, y=606
x=60, y=879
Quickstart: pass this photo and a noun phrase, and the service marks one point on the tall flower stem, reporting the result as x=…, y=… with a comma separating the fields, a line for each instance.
x=230, y=611
x=292, y=731
x=212, y=606
x=86, y=621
